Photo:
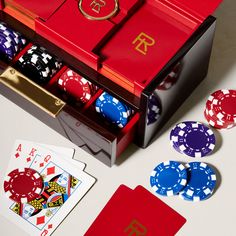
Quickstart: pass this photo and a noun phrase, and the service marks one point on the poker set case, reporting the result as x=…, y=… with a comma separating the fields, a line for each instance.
x=149, y=54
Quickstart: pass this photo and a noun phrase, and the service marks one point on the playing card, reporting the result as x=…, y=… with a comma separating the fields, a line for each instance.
x=167, y=220
x=136, y=212
x=118, y=199
x=67, y=153
x=28, y=150
x=58, y=185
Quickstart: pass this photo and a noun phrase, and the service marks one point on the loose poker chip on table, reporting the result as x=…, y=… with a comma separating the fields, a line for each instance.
x=23, y=185
x=220, y=109
x=174, y=134
x=214, y=122
x=168, y=178
x=76, y=86
x=201, y=182
x=112, y=109
x=193, y=139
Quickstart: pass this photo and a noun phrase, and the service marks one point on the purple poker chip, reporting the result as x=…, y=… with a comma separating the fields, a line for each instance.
x=174, y=134
x=154, y=109
x=6, y=48
x=192, y=139
x=13, y=38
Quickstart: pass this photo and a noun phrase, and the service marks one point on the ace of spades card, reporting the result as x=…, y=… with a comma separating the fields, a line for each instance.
x=60, y=185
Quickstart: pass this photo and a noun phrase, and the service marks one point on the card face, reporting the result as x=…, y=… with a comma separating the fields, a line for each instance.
x=64, y=184
x=29, y=150
x=136, y=212
x=67, y=153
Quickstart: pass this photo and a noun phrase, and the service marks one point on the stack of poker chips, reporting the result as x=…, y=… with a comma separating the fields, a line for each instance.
x=193, y=139
x=76, y=86
x=38, y=64
x=194, y=181
x=113, y=110
x=220, y=111
x=11, y=42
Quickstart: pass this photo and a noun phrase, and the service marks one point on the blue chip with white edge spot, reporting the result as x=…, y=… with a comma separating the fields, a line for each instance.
x=112, y=109
x=201, y=182
x=168, y=178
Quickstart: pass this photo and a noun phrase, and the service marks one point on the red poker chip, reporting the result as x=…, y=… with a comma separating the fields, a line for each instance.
x=222, y=103
x=214, y=122
x=23, y=185
x=76, y=86
x=171, y=78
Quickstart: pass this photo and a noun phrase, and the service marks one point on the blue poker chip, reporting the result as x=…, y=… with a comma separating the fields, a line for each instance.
x=201, y=182
x=112, y=109
x=154, y=109
x=168, y=178
x=193, y=139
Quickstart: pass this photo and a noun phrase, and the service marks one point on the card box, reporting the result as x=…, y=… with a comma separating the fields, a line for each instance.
x=145, y=50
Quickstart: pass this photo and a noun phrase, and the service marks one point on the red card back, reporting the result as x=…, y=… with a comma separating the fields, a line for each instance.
x=136, y=213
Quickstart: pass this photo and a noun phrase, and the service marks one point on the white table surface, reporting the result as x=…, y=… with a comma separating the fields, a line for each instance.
x=215, y=216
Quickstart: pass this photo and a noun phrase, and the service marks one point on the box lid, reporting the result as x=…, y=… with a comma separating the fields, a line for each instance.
x=43, y=8
x=198, y=9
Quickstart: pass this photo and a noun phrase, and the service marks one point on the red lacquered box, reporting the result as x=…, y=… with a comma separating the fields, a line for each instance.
x=149, y=54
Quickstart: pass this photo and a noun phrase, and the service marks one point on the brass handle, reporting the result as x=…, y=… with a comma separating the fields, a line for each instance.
x=31, y=91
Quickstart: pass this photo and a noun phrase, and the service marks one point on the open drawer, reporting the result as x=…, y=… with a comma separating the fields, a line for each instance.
x=84, y=128
x=79, y=123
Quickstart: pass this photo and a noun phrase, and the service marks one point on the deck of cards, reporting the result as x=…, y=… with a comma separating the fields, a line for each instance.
x=136, y=213
x=42, y=185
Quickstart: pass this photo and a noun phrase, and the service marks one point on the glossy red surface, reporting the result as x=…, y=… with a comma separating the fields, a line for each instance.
x=198, y=9
x=130, y=59
x=1, y=4
x=126, y=8
x=42, y=8
x=75, y=33
x=132, y=46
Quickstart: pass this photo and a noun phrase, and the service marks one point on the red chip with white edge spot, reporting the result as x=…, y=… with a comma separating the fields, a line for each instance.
x=220, y=111
x=223, y=104
x=23, y=185
x=75, y=85
x=214, y=122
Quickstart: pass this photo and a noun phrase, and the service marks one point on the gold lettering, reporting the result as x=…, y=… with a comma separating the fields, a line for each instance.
x=143, y=41
x=97, y=5
x=136, y=229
